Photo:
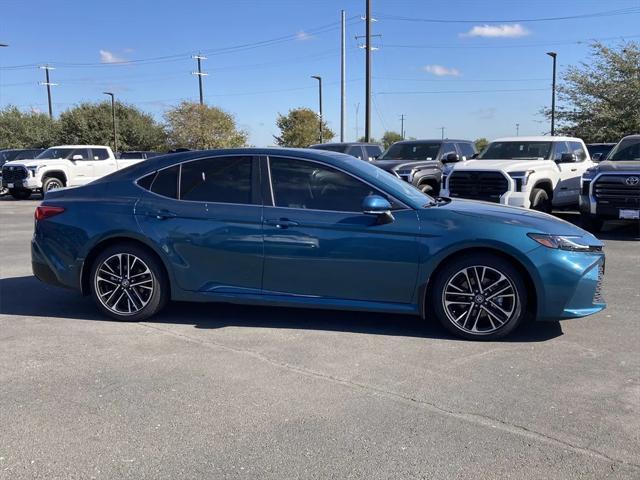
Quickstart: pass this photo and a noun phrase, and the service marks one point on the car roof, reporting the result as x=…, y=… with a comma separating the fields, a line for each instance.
x=635, y=136
x=435, y=140
x=345, y=144
x=601, y=143
x=79, y=146
x=538, y=138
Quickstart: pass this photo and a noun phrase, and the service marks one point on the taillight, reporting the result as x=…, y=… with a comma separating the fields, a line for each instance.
x=47, y=211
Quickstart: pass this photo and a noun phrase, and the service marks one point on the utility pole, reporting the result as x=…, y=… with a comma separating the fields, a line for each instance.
x=357, y=111
x=517, y=129
x=113, y=118
x=343, y=79
x=402, y=126
x=200, y=74
x=367, y=115
x=442, y=129
x=48, y=84
x=319, y=78
x=553, y=55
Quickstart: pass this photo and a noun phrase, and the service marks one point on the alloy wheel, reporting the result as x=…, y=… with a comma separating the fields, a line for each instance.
x=480, y=300
x=53, y=185
x=124, y=284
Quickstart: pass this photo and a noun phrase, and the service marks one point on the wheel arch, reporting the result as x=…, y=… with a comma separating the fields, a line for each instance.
x=545, y=184
x=505, y=253
x=59, y=174
x=99, y=246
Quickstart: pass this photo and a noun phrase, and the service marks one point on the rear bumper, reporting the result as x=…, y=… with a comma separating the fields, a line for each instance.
x=41, y=269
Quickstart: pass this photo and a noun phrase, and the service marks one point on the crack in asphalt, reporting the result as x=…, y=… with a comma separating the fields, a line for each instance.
x=475, y=418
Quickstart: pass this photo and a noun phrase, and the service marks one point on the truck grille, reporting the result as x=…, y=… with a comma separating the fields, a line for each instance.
x=13, y=174
x=597, y=296
x=488, y=186
x=618, y=191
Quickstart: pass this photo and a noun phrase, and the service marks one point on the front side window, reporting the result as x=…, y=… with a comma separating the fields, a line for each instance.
x=217, y=180
x=309, y=185
x=355, y=151
x=373, y=152
x=578, y=151
x=560, y=149
x=83, y=152
x=448, y=148
x=100, y=153
x=517, y=150
x=466, y=150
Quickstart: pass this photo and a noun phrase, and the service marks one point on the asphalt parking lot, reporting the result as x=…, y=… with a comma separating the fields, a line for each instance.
x=219, y=391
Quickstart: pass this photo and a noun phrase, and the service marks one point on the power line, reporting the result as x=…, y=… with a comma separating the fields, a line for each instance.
x=465, y=91
x=607, y=13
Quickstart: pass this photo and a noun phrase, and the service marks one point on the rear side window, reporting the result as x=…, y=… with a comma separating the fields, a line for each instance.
x=100, y=153
x=165, y=182
x=219, y=180
x=466, y=150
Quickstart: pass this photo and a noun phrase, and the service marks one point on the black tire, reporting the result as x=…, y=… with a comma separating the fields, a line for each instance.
x=591, y=223
x=20, y=194
x=426, y=188
x=157, y=276
x=51, y=183
x=487, y=327
x=540, y=200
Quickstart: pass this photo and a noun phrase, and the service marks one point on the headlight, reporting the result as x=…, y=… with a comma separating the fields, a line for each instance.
x=521, y=178
x=589, y=173
x=563, y=242
x=34, y=169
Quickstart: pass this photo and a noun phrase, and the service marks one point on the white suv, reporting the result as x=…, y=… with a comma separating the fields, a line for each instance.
x=530, y=172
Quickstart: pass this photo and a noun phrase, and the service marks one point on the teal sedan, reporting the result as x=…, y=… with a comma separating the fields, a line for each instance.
x=310, y=229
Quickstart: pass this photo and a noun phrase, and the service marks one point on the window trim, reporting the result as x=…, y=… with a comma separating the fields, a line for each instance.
x=267, y=161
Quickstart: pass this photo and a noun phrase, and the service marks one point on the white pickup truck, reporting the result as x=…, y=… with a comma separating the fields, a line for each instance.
x=62, y=166
x=530, y=172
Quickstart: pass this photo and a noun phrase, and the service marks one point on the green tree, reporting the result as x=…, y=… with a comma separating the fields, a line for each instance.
x=91, y=123
x=599, y=99
x=26, y=130
x=300, y=128
x=481, y=144
x=390, y=138
x=191, y=125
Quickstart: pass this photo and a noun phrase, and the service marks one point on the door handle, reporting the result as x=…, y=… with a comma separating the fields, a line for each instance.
x=281, y=223
x=574, y=169
x=164, y=214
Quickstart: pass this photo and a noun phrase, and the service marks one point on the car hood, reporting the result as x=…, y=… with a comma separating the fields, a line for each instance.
x=395, y=164
x=485, y=213
x=34, y=162
x=619, y=165
x=505, y=165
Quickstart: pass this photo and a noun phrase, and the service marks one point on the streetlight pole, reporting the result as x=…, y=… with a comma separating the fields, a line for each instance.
x=553, y=55
x=402, y=126
x=113, y=118
x=319, y=78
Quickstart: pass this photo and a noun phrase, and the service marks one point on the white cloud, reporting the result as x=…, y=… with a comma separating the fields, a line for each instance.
x=108, y=57
x=303, y=36
x=497, y=31
x=440, y=71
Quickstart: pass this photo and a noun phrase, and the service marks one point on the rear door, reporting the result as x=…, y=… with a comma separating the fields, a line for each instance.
x=206, y=215
x=318, y=243
x=567, y=190
x=82, y=169
x=104, y=164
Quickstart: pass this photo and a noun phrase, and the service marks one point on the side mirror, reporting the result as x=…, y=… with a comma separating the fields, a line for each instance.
x=378, y=206
x=451, y=158
x=596, y=157
x=76, y=157
x=568, y=158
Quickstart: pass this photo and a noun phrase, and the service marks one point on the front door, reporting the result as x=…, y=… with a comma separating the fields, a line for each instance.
x=568, y=189
x=206, y=215
x=82, y=168
x=318, y=243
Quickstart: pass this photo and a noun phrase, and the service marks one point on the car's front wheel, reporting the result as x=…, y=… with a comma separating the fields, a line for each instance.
x=51, y=183
x=128, y=283
x=479, y=297
x=540, y=200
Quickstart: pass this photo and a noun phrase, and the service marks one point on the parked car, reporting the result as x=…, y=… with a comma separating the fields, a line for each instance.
x=61, y=166
x=364, y=151
x=611, y=189
x=530, y=172
x=309, y=228
x=138, y=154
x=599, y=151
x=421, y=162
x=15, y=154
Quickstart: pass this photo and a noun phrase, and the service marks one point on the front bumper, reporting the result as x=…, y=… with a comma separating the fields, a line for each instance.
x=28, y=183
x=589, y=205
x=570, y=283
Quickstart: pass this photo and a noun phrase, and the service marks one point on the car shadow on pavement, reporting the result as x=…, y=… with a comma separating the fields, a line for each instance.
x=46, y=301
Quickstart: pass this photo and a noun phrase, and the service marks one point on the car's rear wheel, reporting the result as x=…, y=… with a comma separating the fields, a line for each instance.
x=20, y=194
x=128, y=283
x=540, y=200
x=51, y=183
x=479, y=297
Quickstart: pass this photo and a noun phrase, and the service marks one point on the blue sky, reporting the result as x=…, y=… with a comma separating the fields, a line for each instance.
x=477, y=78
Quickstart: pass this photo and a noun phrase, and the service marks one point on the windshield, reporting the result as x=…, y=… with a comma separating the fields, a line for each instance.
x=626, y=150
x=7, y=156
x=56, y=153
x=332, y=148
x=411, y=151
x=513, y=150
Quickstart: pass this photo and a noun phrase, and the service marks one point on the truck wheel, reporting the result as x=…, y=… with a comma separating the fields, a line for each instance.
x=128, y=283
x=20, y=194
x=51, y=183
x=591, y=223
x=426, y=188
x=540, y=200
x=479, y=296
